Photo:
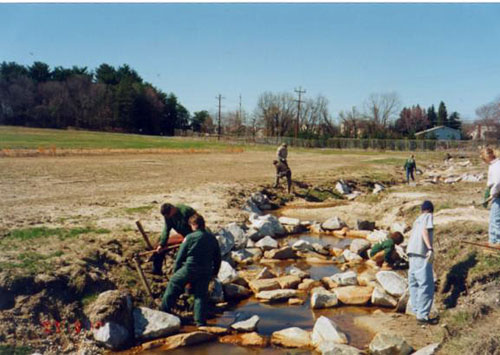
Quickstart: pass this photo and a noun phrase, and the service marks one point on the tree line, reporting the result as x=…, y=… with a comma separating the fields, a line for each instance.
x=106, y=99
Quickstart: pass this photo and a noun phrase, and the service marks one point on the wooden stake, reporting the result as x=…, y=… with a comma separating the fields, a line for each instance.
x=149, y=252
x=144, y=235
x=143, y=279
x=484, y=245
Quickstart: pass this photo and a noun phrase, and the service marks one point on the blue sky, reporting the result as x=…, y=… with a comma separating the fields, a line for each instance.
x=424, y=52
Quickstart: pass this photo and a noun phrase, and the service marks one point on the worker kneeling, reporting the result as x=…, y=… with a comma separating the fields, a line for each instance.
x=198, y=261
x=384, y=253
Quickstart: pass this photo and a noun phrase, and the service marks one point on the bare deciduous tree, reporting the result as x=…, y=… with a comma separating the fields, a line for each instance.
x=277, y=113
x=381, y=109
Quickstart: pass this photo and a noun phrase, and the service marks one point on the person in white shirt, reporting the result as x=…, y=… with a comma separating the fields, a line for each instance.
x=493, y=184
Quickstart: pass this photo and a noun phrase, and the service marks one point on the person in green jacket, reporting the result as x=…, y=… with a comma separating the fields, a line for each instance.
x=410, y=167
x=384, y=252
x=176, y=217
x=197, y=262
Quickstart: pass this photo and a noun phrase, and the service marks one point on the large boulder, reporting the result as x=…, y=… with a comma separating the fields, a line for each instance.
x=281, y=254
x=242, y=256
x=292, y=338
x=227, y=273
x=252, y=339
x=354, y=295
x=150, y=324
x=325, y=330
x=345, y=278
x=267, y=243
x=289, y=221
x=267, y=225
x=247, y=325
x=333, y=223
x=302, y=245
x=239, y=236
x=112, y=306
x=277, y=295
x=388, y=344
x=392, y=283
x=112, y=335
x=382, y=298
x=264, y=285
x=359, y=246
x=321, y=298
x=289, y=281
x=225, y=240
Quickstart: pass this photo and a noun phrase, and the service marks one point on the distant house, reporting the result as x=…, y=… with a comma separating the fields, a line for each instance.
x=484, y=131
x=440, y=133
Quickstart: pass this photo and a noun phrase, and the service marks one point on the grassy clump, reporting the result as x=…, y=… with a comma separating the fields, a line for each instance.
x=487, y=266
x=88, y=298
x=31, y=262
x=138, y=210
x=44, y=232
x=15, y=350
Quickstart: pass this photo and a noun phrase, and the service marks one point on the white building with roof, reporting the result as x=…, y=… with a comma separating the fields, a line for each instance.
x=439, y=133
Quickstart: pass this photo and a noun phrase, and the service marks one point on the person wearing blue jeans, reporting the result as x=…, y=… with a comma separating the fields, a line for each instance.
x=421, y=255
x=493, y=190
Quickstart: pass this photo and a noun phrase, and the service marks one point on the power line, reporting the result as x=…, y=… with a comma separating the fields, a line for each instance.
x=300, y=92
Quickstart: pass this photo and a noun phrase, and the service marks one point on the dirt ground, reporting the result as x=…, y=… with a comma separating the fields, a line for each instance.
x=113, y=191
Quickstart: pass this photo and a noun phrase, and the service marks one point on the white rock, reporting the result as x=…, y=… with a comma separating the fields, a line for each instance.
x=277, y=295
x=353, y=195
x=392, y=283
x=268, y=225
x=342, y=188
x=377, y=236
x=325, y=330
x=242, y=256
x=345, y=278
x=291, y=338
x=225, y=240
x=302, y=245
x=295, y=271
x=383, y=344
x=239, y=236
x=427, y=350
x=358, y=245
x=267, y=243
x=111, y=335
x=247, y=325
x=350, y=256
x=321, y=298
x=333, y=223
x=383, y=299
x=289, y=221
x=331, y=348
x=226, y=273
x=150, y=324
x=378, y=188
x=253, y=235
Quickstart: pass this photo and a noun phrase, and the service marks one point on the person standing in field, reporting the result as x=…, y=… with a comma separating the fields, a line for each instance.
x=493, y=193
x=410, y=167
x=198, y=261
x=282, y=153
x=421, y=255
x=177, y=218
x=282, y=170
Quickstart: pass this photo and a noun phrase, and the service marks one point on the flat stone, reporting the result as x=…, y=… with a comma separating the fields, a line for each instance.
x=321, y=298
x=227, y=273
x=265, y=273
x=367, y=278
x=267, y=243
x=245, y=339
x=383, y=299
x=247, y=325
x=242, y=256
x=302, y=245
x=292, y=338
x=264, y=285
x=345, y=278
x=354, y=295
x=277, y=295
x=392, y=283
x=295, y=301
x=187, y=339
x=331, y=348
x=214, y=330
x=289, y=221
x=281, y=254
x=295, y=271
x=150, y=324
x=308, y=284
x=328, y=282
x=256, y=252
x=289, y=281
x=320, y=249
x=325, y=330
x=383, y=344
x=333, y=223
x=350, y=256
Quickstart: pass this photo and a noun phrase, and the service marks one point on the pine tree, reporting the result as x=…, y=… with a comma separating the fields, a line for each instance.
x=432, y=117
x=454, y=121
x=442, y=116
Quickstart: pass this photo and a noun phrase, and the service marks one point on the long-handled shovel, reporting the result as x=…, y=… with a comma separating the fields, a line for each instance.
x=484, y=245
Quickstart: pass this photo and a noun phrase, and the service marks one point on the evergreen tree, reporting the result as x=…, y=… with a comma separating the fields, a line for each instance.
x=106, y=74
x=442, y=116
x=454, y=121
x=39, y=72
x=432, y=116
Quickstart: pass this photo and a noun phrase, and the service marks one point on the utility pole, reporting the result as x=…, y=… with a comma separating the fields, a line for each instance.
x=300, y=92
x=240, y=108
x=220, y=99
